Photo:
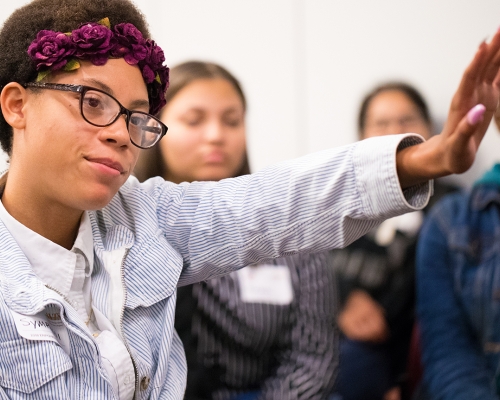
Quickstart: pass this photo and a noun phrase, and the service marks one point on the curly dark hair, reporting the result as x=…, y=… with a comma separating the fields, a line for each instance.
x=58, y=15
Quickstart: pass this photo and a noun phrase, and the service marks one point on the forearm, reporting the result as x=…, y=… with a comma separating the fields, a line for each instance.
x=318, y=202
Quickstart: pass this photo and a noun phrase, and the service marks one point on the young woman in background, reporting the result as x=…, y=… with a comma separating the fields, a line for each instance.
x=376, y=273
x=268, y=329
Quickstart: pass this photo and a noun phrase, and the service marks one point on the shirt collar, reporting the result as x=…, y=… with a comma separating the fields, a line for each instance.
x=53, y=264
x=483, y=195
x=85, y=241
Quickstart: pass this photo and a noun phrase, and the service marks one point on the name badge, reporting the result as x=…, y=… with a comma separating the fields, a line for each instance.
x=45, y=325
x=271, y=284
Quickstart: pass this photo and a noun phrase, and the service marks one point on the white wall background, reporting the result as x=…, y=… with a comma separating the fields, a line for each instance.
x=305, y=64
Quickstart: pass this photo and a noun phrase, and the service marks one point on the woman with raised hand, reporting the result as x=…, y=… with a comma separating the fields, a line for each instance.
x=267, y=330
x=90, y=258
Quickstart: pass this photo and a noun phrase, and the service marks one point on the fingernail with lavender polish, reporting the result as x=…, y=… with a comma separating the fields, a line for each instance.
x=475, y=114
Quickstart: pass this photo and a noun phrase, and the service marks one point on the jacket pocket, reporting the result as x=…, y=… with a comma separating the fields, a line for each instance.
x=27, y=365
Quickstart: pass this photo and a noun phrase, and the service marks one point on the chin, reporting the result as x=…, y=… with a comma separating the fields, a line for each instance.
x=97, y=199
x=213, y=177
x=215, y=174
x=97, y=205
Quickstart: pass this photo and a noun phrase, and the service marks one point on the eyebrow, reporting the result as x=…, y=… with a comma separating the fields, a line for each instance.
x=233, y=109
x=138, y=103
x=201, y=109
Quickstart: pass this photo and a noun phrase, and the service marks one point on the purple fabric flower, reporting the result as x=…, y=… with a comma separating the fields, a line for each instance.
x=152, y=62
x=157, y=90
x=51, y=49
x=130, y=45
x=96, y=42
x=154, y=56
x=93, y=41
x=148, y=74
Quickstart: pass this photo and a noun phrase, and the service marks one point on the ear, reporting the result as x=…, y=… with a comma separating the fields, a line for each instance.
x=12, y=101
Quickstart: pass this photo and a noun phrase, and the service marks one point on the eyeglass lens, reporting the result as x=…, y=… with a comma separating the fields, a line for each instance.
x=144, y=131
x=100, y=109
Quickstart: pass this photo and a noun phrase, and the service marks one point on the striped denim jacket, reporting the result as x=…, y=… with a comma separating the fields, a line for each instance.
x=164, y=235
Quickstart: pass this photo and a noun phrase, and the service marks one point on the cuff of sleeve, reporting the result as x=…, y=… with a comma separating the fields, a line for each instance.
x=374, y=162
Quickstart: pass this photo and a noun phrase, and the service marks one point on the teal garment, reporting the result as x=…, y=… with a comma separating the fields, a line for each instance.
x=490, y=177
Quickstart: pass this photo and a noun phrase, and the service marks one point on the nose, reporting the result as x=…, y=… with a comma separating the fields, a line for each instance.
x=392, y=127
x=396, y=127
x=116, y=133
x=214, y=132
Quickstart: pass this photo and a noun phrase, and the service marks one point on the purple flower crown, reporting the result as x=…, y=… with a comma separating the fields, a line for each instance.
x=96, y=42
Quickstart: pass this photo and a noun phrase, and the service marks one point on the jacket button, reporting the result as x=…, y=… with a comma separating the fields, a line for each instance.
x=144, y=382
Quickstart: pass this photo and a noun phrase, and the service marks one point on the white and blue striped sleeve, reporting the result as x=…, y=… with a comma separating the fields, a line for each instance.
x=321, y=201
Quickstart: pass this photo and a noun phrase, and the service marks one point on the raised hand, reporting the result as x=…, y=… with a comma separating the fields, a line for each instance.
x=471, y=110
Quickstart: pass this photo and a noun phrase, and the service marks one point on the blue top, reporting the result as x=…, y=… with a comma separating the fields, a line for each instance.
x=458, y=293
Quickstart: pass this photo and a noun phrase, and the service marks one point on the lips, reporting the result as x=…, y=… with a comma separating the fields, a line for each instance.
x=108, y=163
x=215, y=157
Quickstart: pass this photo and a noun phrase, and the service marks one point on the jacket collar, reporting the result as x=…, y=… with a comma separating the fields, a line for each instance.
x=150, y=259
x=25, y=293
x=484, y=194
x=22, y=290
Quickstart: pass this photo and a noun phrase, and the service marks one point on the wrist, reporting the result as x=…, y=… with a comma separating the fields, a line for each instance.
x=420, y=163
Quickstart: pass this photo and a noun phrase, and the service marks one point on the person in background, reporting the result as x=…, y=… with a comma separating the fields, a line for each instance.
x=376, y=272
x=458, y=292
x=265, y=331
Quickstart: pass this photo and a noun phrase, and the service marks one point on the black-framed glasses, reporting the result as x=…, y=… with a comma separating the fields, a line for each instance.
x=101, y=109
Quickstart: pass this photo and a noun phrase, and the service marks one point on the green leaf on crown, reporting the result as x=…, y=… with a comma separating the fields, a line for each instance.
x=42, y=74
x=105, y=22
x=71, y=65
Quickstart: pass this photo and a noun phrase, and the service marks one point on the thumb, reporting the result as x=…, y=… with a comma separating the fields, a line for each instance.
x=467, y=126
x=465, y=139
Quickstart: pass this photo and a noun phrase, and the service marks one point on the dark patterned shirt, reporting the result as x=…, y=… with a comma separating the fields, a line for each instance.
x=282, y=351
